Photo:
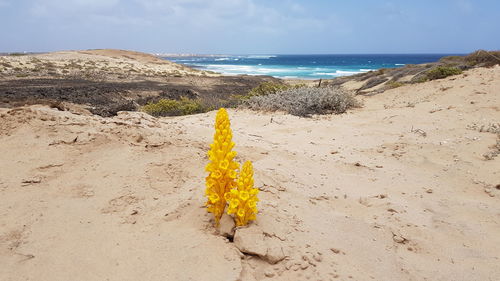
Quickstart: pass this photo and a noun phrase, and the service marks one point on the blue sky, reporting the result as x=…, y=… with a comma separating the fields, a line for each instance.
x=251, y=26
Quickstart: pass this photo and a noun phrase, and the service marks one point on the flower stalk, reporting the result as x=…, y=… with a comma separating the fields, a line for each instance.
x=221, y=168
x=243, y=199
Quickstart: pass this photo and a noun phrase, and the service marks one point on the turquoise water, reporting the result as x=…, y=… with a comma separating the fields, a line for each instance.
x=301, y=66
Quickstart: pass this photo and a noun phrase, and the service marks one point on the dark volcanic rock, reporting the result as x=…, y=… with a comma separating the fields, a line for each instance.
x=108, y=97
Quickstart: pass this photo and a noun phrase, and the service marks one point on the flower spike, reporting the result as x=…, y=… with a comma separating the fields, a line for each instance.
x=222, y=168
x=243, y=199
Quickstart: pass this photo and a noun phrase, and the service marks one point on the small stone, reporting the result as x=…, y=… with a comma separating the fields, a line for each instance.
x=269, y=273
x=304, y=265
x=31, y=181
x=399, y=239
x=250, y=240
x=317, y=257
x=226, y=226
x=274, y=254
x=335, y=250
x=429, y=190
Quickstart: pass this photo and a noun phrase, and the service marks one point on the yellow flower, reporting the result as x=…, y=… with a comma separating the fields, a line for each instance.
x=213, y=198
x=244, y=195
x=241, y=213
x=243, y=199
x=221, y=168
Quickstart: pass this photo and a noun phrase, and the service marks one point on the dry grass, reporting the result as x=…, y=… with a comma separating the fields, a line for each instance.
x=305, y=101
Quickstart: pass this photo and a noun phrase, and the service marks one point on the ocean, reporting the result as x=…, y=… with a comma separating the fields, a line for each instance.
x=301, y=66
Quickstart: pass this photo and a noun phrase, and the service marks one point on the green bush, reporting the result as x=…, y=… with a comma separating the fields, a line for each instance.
x=264, y=89
x=483, y=58
x=394, y=84
x=168, y=107
x=442, y=72
x=421, y=79
x=267, y=88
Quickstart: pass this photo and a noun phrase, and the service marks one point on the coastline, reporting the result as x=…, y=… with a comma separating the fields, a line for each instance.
x=307, y=67
x=115, y=80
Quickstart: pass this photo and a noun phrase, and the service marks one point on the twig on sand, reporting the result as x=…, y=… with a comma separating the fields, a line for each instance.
x=419, y=131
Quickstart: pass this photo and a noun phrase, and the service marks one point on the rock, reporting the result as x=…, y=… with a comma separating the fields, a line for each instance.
x=226, y=226
x=399, y=239
x=275, y=253
x=335, y=250
x=304, y=265
x=31, y=181
x=318, y=257
x=250, y=240
x=269, y=273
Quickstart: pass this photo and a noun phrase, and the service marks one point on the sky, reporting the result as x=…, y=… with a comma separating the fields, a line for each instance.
x=251, y=26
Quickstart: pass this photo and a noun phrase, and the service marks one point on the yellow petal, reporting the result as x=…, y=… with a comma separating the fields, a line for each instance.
x=244, y=195
x=234, y=203
x=241, y=213
x=224, y=164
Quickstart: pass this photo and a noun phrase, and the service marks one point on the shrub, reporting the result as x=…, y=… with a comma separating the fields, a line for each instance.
x=168, y=107
x=264, y=88
x=394, y=84
x=442, y=72
x=305, y=101
x=267, y=88
x=372, y=82
x=420, y=79
x=452, y=60
x=483, y=58
x=233, y=101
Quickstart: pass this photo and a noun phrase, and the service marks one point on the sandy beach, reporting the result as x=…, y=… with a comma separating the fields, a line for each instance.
x=406, y=187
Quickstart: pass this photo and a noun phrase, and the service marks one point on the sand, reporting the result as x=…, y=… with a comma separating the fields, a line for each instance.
x=396, y=190
x=108, y=64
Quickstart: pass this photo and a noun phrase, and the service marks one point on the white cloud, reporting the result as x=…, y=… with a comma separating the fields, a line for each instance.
x=55, y=7
x=242, y=15
x=4, y=3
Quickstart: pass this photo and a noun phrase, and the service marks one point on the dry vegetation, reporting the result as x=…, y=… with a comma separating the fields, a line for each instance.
x=305, y=101
x=98, y=65
x=173, y=89
x=378, y=81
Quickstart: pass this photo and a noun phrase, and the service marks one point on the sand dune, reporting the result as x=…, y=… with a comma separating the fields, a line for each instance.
x=396, y=190
x=102, y=64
